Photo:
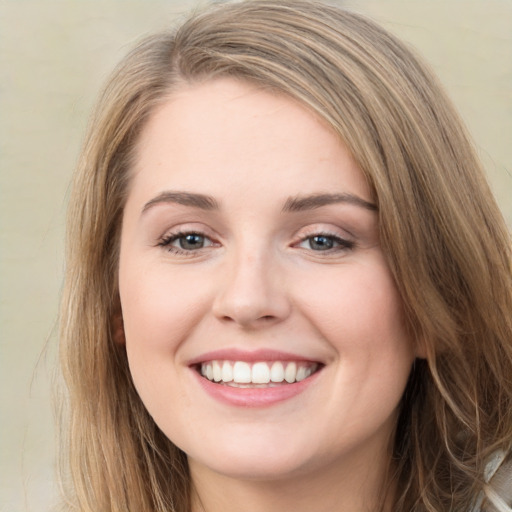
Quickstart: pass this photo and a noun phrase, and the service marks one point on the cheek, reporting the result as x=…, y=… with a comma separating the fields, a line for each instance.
x=151, y=292
x=360, y=299
x=160, y=309
x=361, y=317
x=359, y=313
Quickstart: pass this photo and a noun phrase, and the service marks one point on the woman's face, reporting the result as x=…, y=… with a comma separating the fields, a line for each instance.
x=263, y=328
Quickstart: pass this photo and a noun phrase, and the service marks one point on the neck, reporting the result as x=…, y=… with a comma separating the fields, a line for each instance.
x=350, y=488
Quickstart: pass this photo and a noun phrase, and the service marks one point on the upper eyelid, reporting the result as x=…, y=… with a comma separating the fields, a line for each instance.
x=321, y=232
x=189, y=228
x=316, y=230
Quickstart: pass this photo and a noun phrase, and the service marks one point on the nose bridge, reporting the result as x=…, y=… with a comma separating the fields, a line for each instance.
x=252, y=291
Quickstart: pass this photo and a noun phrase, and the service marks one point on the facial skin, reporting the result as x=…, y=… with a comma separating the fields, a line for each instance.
x=260, y=281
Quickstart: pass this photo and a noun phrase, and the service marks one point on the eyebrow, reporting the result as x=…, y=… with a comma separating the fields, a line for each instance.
x=201, y=201
x=302, y=203
x=292, y=204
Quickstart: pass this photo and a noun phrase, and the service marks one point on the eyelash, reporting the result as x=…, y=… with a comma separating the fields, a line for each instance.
x=166, y=242
x=340, y=244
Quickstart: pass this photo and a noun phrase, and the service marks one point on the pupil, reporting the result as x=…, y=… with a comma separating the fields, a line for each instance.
x=321, y=243
x=192, y=241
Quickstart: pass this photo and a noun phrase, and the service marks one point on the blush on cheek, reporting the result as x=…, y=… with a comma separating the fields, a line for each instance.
x=356, y=301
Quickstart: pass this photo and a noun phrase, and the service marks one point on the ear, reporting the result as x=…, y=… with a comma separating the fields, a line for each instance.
x=118, y=328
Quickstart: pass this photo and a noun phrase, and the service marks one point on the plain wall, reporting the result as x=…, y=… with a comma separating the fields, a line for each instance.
x=54, y=56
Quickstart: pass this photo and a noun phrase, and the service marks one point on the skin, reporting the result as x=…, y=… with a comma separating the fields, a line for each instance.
x=260, y=282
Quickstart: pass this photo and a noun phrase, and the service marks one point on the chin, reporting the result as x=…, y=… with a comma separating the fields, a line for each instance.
x=243, y=469
x=254, y=462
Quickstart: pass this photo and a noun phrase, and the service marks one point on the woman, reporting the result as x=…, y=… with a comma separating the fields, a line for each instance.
x=288, y=285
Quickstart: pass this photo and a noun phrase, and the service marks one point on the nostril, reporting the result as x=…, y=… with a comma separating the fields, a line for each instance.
x=265, y=318
x=246, y=304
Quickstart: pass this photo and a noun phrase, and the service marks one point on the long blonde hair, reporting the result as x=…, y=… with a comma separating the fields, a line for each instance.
x=445, y=240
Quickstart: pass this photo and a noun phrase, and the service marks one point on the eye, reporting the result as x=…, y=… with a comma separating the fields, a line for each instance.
x=191, y=241
x=185, y=242
x=325, y=242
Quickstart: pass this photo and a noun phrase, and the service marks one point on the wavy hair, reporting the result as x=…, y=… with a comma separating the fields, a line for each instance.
x=443, y=235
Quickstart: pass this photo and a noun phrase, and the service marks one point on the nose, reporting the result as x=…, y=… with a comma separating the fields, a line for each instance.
x=252, y=293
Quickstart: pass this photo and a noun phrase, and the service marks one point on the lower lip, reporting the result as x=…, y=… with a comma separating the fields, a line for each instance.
x=254, y=397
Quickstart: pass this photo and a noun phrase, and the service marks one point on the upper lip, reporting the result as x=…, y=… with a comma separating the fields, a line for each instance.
x=249, y=356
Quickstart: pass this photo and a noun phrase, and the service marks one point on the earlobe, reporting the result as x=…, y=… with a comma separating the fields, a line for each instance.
x=118, y=329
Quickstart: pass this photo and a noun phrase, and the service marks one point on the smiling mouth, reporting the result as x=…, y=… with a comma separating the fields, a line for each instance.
x=243, y=374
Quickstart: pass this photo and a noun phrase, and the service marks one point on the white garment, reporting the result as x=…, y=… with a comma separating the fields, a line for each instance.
x=494, y=501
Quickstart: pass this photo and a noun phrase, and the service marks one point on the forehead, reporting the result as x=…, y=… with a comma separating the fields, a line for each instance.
x=226, y=132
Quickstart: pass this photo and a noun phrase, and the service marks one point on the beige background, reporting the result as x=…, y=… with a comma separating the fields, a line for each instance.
x=54, y=55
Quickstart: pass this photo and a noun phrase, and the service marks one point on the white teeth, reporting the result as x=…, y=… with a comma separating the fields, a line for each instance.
x=260, y=373
x=301, y=374
x=290, y=373
x=227, y=372
x=217, y=371
x=277, y=372
x=209, y=372
x=241, y=372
